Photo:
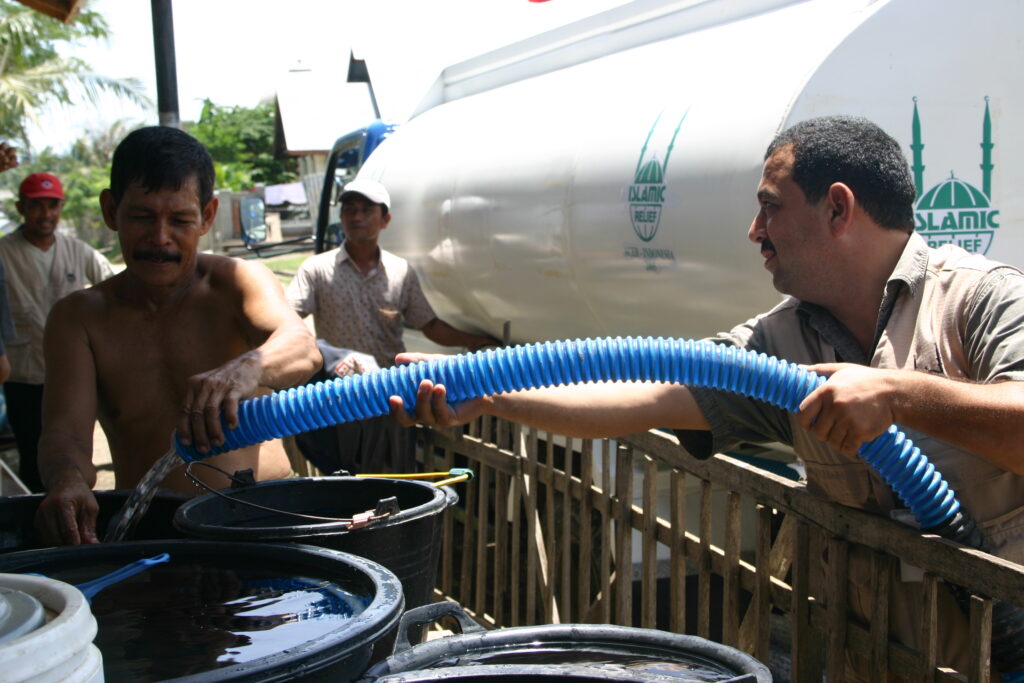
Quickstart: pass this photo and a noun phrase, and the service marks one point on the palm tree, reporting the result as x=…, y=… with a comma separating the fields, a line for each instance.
x=33, y=74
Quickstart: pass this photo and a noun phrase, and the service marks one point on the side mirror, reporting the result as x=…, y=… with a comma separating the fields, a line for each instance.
x=253, y=216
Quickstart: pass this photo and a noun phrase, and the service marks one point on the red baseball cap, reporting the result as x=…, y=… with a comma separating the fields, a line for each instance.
x=41, y=185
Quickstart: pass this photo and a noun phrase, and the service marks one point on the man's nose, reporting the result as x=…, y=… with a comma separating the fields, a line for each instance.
x=757, y=232
x=161, y=233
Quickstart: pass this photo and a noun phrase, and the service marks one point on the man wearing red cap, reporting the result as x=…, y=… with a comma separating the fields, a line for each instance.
x=42, y=266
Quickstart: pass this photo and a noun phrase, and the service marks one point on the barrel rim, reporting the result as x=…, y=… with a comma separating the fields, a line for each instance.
x=364, y=629
x=441, y=499
x=425, y=655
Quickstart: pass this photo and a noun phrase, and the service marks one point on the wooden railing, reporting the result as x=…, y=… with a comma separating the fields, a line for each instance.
x=636, y=532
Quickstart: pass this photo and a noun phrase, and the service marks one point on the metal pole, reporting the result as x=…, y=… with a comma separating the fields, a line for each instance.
x=166, y=72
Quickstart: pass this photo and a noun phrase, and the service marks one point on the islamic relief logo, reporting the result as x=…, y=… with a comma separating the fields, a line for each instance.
x=647, y=193
x=954, y=211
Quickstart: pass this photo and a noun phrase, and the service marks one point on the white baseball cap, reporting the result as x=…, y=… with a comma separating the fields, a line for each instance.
x=370, y=189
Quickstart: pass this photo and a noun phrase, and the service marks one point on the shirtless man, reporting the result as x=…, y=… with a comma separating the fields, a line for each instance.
x=168, y=344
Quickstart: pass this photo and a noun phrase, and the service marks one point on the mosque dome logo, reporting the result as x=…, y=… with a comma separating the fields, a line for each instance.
x=954, y=211
x=647, y=193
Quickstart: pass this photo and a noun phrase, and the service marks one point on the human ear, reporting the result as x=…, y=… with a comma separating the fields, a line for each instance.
x=840, y=203
x=108, y=207
x=209, y=213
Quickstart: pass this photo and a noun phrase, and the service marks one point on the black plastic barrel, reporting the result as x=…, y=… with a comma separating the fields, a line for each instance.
x=577, y=652
x=407, y=542
x=17, y=515
x=227, y=612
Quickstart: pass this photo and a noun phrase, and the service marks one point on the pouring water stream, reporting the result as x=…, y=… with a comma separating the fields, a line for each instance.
x=138, y=502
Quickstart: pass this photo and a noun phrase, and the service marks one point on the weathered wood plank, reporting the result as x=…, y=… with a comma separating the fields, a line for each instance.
x=730, y=573
x=605, y=500
x=836, y=604
x=677, y=543
x=981, y=644
x=565, y=537
x=483, y=505
x=649, y=546
x=623, y=536
x=502, y=511
x=586, y=544
x=704, y=563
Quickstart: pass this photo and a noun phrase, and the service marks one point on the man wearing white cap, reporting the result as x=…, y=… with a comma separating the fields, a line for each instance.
x=359, y=296
x=42, y=266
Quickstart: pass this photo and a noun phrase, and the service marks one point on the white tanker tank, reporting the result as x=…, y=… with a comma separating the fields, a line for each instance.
x=599, y=179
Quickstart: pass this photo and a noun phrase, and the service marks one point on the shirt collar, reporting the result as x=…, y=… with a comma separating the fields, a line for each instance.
x=344, y=256
x=912, y=268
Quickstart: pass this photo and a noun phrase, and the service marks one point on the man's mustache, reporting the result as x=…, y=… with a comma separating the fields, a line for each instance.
x=766, y=245
x=158, y=255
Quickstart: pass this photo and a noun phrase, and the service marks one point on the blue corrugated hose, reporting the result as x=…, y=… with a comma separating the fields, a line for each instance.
x=755, y=375
x=494, y=371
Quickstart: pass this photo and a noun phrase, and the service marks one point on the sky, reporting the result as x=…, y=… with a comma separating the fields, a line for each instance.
x=235, y=51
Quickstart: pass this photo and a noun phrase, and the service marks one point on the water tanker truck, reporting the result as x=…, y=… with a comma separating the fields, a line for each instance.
x=599, y=179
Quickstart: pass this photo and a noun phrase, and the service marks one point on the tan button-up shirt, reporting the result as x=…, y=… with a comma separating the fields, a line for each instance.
x=76, y=265
x=360, y=312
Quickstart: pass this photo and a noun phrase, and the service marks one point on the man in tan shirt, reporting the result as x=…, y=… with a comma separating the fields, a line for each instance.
x=360, y=296
x=170, y=343
x=43, y=265
x=931, y=339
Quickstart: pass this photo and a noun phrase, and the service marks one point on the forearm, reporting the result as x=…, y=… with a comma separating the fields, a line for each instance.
x=287, y=358
x=444, y=334
x=603, y=410
x=987, y=419
x=65, y=460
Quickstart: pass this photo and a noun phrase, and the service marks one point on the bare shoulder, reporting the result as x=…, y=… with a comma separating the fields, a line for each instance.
x=232, y=273
x=86, y=304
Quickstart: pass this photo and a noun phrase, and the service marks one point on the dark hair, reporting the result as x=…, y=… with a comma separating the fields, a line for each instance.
x=160, y=157
x=854, y=151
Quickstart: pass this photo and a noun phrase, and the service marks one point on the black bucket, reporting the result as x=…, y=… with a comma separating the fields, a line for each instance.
x=408, y=542
x=577, y=652
x=17, y=515
x=238, y=612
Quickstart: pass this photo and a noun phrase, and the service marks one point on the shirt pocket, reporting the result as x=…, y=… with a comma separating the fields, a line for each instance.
x=853, y=484
x=1005, y=534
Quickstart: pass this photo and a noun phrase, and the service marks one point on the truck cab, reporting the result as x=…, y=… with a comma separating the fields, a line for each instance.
x=347, y=156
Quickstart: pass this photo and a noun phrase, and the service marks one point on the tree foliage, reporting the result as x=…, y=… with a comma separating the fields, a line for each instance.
x=33, y=74
x=241, y=142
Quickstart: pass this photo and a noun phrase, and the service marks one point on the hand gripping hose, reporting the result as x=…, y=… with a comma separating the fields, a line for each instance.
x=494, y=371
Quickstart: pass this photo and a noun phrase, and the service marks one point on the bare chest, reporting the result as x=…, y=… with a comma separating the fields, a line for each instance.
x=144, y=361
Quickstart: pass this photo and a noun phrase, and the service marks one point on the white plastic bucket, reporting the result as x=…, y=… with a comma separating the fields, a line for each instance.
x=60, y=649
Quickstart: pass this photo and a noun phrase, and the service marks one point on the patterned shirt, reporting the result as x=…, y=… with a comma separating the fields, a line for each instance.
x=360, y=312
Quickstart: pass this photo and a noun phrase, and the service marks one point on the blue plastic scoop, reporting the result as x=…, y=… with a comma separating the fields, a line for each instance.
x=91, y=588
